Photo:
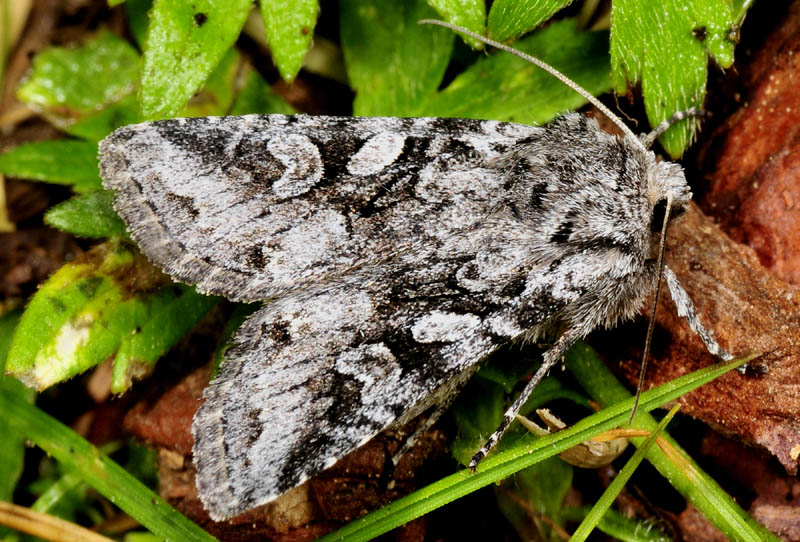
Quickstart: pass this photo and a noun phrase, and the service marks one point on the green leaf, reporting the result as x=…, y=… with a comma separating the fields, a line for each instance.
x=476, y=418
x=215, y=98
x=136, y=12
x=12, y=447
x=666, y=45
x=185, y=42
x=72, y=82
x=257, y=97
x=540, y=488
x=98, y=125
x=142, y=462
x=529, y=94
x=394, y=63
x=526, y=452
x=470, y=14
x=235, y=321
x=509, y=19
x=100, y=472
x=111, y=302
x=289, y=27
x=163, y=319
x=62, y=161
x=740, y=8
x=87, y=215
x=217, y=95
x=62, y=493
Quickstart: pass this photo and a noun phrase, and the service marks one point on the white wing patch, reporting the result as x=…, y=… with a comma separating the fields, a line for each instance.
x=378, y=152
x=441, y=326
x=303, y=165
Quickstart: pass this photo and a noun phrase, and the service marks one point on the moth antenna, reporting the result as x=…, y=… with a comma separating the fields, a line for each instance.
x=546, y=67
x=652, y=324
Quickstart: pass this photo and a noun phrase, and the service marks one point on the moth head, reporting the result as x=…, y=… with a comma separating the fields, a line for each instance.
x=666, y=181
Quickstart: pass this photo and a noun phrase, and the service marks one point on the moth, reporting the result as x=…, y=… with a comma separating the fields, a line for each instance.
x=392, y=255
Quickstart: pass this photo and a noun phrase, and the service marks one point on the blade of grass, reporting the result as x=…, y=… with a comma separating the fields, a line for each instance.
x=69, y=481
x=100, y=472
x=53, y=495
x=686, y=477
x=607, y=498
x=12, y=447
x=528, y=451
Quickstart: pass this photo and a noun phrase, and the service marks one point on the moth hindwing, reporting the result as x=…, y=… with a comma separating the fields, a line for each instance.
x=394, y=255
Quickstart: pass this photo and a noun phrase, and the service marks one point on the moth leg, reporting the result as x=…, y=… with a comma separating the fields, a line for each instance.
x=649, y=139
x=549, y=359
x=686, y=310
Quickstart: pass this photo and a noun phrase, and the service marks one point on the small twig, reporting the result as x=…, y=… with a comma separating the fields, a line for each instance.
x=45, y=526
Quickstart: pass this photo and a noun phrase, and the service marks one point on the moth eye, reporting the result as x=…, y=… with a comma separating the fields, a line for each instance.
x=657, y=216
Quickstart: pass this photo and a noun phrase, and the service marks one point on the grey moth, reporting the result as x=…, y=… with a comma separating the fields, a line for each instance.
x=392, y=255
